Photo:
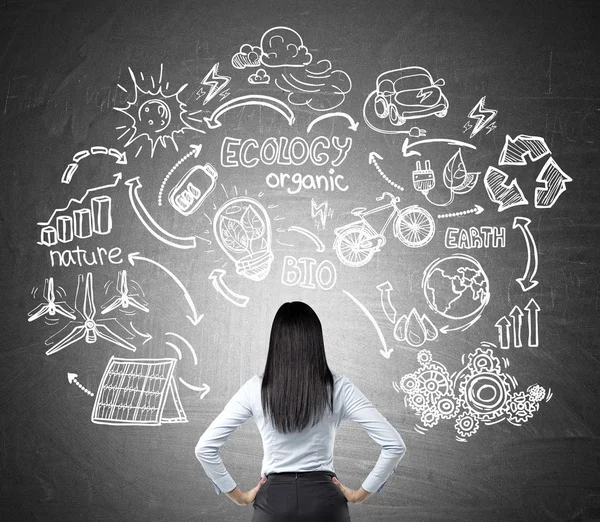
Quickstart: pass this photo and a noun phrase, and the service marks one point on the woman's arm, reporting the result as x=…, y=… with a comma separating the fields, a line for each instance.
x=237, y=411
x=359, y=409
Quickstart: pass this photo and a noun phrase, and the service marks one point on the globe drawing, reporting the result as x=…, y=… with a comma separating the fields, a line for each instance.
x=456, y=287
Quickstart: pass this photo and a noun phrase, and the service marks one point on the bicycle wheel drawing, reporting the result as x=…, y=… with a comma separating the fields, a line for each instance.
x=414, y=226
x=355, y=247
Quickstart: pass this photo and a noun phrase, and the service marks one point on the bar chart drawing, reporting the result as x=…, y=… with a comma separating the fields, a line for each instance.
x=80, y=223
x=136, y=392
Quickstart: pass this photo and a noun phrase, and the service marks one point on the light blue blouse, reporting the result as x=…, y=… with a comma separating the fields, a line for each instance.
x=308, y=450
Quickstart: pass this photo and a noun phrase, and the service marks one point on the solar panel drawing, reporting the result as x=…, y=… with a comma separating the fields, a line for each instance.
x=135, y=392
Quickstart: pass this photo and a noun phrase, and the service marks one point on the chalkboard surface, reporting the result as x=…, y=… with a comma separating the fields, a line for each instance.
x=423, y=174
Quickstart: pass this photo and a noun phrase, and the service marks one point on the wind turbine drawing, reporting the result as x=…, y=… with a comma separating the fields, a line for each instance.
x=51, y=307
x=124, y=299
x=90, y=328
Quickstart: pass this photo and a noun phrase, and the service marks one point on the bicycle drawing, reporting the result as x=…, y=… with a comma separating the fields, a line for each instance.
x=357, y=242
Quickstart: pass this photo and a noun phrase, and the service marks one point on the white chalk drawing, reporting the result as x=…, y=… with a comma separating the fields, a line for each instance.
x=385, y=295
x=260, y=77
x=477, y=209
x=148, y=221
x=510, y=328
x=483, y=118
x=89, y=328
x=506, y=195
x=72, y=378
x=196, y=149
x=305, y=272
x=51, y=307
x=195, y=317
x=554, y=181
x=373, y=157
x=357, y=242
x=126, y=299
x=415, y=329
x=213, y=121
x=217, y=279
x=320, y=213
x=386, y=352
x=136, y=392
x=79, y=221
x=480, y=393
x=353, y=125
x=533, y=310
x=406, y=145
x=146, y=336
x=404, y=94
x=72, y=167
x=243, y=231
x=154, y=115
x=204, y=388
x=193, y=188
x=515, y=151
x=455, y=176
x=187, y=344
x=215, y=82
x=286, y=60
x=313, y=237
x=457, y=288
x=527, y=282
x=475, y=237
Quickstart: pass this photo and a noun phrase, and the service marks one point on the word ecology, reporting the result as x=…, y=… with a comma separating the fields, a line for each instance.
x=475, y=237
x=81, y=257
x=296, y=151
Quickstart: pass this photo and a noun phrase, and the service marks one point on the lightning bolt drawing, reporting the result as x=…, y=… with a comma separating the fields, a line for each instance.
x=224, y=94
x=216, y=83
x=423, y=95
x=466, y=127
x=491, y=127
x=320, y=211
x=482, y=115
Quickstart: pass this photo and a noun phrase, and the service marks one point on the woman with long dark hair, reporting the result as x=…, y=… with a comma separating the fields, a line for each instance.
x=297, y=405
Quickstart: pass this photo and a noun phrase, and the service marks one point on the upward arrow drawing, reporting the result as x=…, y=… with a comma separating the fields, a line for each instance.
x=532, y=322
x=503, y=325
x=517, y=316
x=385, y=291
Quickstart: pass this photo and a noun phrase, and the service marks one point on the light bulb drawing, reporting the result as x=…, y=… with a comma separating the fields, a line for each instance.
x=154, y=114
x=243, y=231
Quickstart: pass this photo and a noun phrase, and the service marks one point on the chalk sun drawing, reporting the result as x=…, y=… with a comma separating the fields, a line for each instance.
x=155, y=115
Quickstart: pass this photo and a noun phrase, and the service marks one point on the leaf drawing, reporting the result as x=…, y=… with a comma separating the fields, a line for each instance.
x=233, y=234
x=252, y=223
x=454, y=170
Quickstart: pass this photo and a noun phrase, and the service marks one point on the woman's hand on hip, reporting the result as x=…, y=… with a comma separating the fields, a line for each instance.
x=354, y=496
x=243, y=498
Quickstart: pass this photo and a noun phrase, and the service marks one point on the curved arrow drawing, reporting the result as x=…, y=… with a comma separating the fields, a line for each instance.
x=251, y=99
x=313, y=237
x=448, y=141
x=216, y=277
x=385, y=352
x=527, y=282
x=373, y=157
x=148, y=221
x=475, y=210
x=353, y=124
x=73, y=379
x=194, y=318
x=72, y=167
x=205, y=388
x=385, y=294
x=146, y=337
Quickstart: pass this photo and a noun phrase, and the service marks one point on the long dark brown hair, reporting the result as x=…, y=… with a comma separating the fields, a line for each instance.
x=297, y=383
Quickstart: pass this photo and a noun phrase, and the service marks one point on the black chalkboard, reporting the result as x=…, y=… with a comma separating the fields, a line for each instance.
x=173, y=171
